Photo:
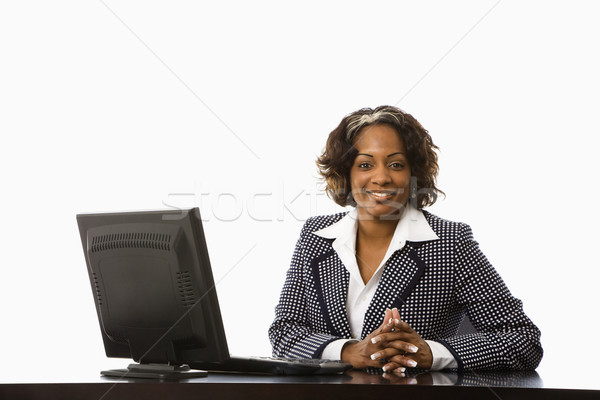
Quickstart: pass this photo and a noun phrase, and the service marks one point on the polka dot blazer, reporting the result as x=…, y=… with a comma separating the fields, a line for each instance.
x=433, y=284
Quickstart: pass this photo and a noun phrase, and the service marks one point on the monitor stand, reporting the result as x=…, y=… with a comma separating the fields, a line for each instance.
x=155, y=371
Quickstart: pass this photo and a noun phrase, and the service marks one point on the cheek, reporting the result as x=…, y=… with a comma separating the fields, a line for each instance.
x=404, y=182
x=355, y=181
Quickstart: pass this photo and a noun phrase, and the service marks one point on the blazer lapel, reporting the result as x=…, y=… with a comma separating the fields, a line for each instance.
x=400, y=275
x=331, y=283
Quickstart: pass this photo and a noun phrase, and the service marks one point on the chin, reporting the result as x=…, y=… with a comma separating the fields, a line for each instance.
x=382, y=212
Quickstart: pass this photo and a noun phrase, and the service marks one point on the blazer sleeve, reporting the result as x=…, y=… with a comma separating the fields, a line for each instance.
x=506, y=337
x=291, y=333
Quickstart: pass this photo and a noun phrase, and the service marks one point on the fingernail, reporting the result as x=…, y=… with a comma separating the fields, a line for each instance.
x=374, y=356
x=397, y=321
x=376, y=340
x=412, y=363
x=399, y=370
x=385, y=368
x=413, y=349
x=394, y=309
x=390, y=321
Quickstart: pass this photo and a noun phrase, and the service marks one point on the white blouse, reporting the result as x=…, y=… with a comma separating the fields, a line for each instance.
x=412, y=227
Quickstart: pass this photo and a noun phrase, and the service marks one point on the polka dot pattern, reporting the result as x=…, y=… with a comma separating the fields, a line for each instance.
x=433, y=284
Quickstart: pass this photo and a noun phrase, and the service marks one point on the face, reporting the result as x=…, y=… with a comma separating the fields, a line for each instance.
x=380, y=175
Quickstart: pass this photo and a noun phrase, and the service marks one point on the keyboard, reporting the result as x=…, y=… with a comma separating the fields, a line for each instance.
x=275, y=366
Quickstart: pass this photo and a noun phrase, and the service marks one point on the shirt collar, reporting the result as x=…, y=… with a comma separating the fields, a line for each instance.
x=412, y=227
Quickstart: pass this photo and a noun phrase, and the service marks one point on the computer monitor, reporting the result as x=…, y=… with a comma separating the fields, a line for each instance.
x=154, y=290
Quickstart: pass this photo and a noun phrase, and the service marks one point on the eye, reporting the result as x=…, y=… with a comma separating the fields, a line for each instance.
x=364, y=165
x=397, y=165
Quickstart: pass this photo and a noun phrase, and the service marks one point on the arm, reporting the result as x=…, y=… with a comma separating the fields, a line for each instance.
x=290, y=333
x=506, y=337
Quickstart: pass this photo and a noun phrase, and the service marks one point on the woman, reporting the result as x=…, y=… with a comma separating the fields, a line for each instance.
x=387, y=284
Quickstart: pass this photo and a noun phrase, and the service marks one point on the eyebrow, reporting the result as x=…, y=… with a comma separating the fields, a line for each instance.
x=389, y=155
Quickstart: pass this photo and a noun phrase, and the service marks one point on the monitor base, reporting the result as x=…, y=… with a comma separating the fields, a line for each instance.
x=155, y=371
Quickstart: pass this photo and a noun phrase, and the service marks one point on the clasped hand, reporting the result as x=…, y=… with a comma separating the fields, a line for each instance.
x=393, y=346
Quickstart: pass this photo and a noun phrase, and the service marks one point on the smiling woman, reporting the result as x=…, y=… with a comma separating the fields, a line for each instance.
x=344, y=145
x=380, y=181
x=388, y=284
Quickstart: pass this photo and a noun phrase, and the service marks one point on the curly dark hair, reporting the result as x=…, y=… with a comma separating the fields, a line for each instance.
x=338, y=156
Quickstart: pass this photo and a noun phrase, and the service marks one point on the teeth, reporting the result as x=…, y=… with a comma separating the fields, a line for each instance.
x=376, y=194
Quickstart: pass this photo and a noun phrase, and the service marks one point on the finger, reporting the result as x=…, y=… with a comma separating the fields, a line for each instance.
x=384, y=337
x=386, y=326
x=404, y=326
x=392, y=367
x=387, y=318
x=396, y=314
x=388, y=314
x=401, y=345
x=403, y=361
x=386, y=355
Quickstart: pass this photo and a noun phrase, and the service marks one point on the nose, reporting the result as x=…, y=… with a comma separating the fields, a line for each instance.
x=381, y=175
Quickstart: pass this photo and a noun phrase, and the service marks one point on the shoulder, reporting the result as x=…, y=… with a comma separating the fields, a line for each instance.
x=446, y=229
x=311, y=245
x=319, y=222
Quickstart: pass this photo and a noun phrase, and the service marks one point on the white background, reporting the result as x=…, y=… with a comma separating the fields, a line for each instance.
x=128, y=105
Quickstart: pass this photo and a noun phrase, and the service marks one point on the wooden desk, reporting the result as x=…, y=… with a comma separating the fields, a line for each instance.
x=353, y=385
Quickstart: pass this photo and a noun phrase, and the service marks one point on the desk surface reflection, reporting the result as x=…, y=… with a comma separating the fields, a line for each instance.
x=351, y=385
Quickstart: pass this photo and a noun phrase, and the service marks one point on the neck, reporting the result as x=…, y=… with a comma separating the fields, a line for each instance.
x=376, y=229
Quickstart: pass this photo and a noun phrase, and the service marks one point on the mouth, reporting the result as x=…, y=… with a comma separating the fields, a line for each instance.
x=381, y=195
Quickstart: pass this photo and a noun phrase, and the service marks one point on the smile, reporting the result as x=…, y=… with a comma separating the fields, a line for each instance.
x=381, y=195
